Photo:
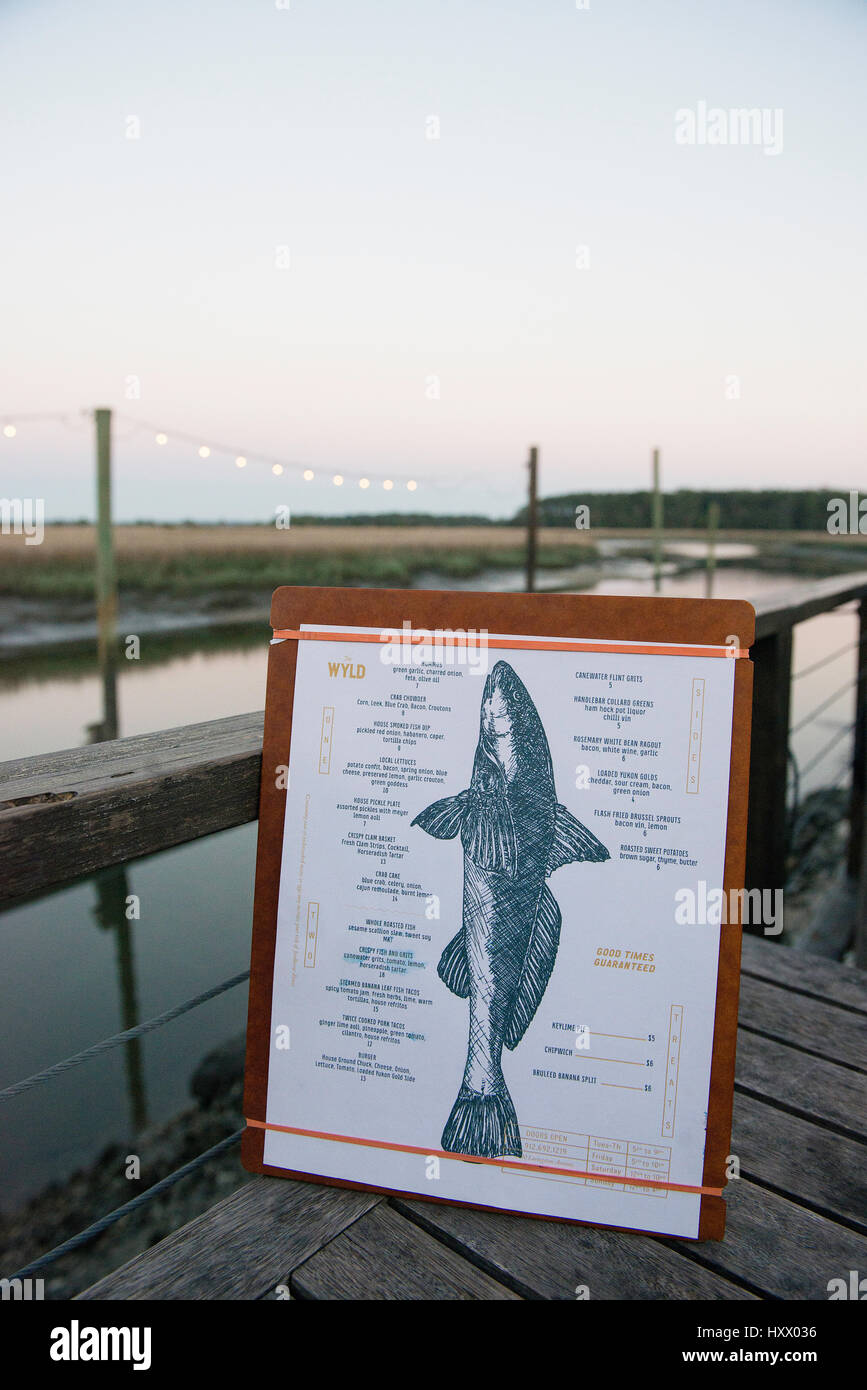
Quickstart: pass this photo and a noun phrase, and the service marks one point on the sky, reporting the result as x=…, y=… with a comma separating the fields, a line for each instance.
x=408, y=240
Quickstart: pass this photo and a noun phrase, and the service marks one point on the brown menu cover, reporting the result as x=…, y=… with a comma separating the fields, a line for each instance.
x=711, y=622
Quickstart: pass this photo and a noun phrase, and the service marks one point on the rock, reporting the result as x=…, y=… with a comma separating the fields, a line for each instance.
x=217, y=1073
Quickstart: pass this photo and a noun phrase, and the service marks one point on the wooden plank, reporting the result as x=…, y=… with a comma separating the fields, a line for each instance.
x=825, y=1030
x=805, y=973
x=775, y=612
x=767, y=820
x=66, y=814
x=386, y=1256
x=552, y=1259
x=807, y=1086
x=778, y=1248
x=243, y=1247
x=801, y=1160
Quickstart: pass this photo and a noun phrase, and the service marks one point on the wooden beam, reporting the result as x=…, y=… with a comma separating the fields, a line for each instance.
x=766, y=825
x=779, y=611
x=66, y=814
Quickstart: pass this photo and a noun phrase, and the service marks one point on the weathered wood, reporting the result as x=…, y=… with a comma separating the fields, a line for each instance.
x=384, y=1256
x=794, y=1157
x=767, y=829
x=551, y=1259
x=824, y=1030
x=779, y=1248
x=67, y=814
x=779, y=611
x=811, y=975
x=859, y=752
x=804, y=1085
x=243, y=1247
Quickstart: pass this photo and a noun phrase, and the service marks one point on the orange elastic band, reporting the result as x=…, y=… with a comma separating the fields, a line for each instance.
x=571, y=644
x=494, y=1162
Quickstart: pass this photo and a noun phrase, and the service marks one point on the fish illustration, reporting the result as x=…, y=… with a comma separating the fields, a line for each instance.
x=514, y=834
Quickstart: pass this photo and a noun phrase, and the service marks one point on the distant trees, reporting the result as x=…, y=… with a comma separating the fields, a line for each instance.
x=686, y=509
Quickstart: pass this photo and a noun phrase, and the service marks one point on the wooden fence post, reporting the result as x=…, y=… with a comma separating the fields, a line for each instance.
x=857, y=859
x=656, y=521
x=767, y=830
x=106, y=583
x=532, y=519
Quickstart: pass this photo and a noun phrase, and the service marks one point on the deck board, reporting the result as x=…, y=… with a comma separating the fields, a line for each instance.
x=384, y=1256
x=550, y=1259
x=818, y=1027
x=243, y=1247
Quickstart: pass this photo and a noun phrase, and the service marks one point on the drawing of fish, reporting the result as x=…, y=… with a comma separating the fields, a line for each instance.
x=514, y=834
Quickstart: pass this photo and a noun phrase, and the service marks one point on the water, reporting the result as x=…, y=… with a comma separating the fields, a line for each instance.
x=63, y=980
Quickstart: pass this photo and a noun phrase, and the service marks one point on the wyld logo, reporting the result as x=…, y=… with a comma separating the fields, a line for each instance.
x=77, y=1343
x=347, y=669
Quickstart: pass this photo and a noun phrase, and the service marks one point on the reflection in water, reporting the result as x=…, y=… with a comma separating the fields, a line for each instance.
x=113, y=903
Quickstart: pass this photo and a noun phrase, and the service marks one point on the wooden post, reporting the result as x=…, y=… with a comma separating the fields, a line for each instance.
x=712, y=524
x=106, y=582
x=532, y=519
x=656, y=521
x=767, y=829
x=857, y=857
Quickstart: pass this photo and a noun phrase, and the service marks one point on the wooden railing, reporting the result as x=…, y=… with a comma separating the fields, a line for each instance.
x=64, y=815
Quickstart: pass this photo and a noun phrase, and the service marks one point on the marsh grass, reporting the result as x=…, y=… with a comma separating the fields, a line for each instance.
x=196, y=560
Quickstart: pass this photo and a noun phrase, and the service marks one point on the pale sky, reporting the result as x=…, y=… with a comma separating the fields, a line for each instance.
x=717, y=311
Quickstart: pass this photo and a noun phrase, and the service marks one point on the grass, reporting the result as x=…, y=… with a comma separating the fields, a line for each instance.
x=213, y=560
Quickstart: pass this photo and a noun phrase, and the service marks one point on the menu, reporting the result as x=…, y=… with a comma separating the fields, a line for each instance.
x=493, y=972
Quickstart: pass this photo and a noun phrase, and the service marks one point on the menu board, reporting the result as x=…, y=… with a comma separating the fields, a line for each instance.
x=484, y=965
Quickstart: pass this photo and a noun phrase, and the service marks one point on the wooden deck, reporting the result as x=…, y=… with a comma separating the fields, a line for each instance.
x=797, y=1217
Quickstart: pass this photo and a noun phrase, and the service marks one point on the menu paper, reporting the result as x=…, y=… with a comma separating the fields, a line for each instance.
x=494, y=967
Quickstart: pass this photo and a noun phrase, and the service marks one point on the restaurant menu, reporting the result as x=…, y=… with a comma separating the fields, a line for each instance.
x=495, y=970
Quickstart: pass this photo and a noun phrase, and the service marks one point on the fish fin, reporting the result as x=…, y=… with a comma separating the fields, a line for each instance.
x=573, y=842
x=485, y=1125
x=443, y=819
x=536, y=971
x=488, y=835
x=453, y=969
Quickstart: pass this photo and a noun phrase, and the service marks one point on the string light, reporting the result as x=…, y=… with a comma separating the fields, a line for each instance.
x=130, y=425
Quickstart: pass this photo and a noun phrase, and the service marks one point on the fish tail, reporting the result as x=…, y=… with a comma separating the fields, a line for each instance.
x=483, y=1124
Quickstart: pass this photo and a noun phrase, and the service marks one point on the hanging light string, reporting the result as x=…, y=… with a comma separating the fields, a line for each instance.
x=9, y=423
x=9, y=430
x=78, y=420
x=243, y=457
